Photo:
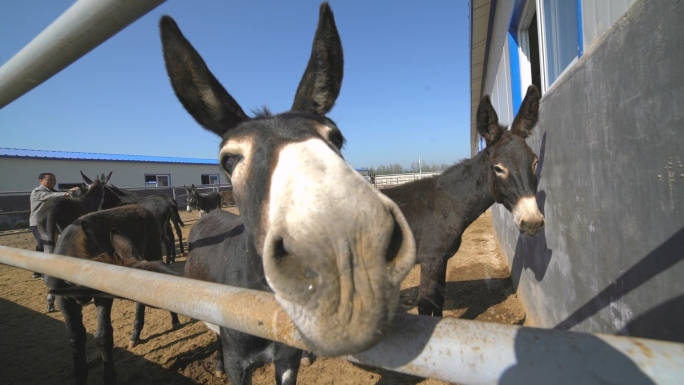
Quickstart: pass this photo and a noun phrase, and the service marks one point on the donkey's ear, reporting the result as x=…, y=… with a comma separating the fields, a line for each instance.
x=528, y=115
x=195, y=86
x=104, y=179
x=322, y=79
x=85, y=178
x=488, y=122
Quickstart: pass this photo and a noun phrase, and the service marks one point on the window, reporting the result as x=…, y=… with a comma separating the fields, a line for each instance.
x=599, y=15
x=158, y=180
x=523, y=47
x=210, y=178
x=545, y=39
x=560, y=37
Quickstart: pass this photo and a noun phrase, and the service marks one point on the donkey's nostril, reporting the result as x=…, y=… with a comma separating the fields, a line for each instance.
x=285, y=271
x=394, y=247
x=279, y=252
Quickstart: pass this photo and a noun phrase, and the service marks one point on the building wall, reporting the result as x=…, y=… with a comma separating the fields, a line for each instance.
x=21, y=174
x=497, y=81
x=610, y=142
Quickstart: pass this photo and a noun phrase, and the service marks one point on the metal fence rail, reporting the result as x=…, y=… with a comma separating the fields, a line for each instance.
x=468, y=352
x=390, y=180
x=84, y=26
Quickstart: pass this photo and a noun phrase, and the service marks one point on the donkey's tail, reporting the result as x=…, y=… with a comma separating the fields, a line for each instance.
x=176, y=216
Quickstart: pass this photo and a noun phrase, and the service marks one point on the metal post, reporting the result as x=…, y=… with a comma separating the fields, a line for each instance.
x=448, y=349
x=420, y=169
x=82, y=27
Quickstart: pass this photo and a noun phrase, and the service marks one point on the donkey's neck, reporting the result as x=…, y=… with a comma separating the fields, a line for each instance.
x=93, y=199
x=468, y=183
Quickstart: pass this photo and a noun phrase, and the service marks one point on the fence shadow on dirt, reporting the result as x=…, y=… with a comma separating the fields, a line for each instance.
x=475, y=295
x=34, y=350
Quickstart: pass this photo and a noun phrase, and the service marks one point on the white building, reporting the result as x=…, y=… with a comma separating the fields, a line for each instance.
x=19, y=169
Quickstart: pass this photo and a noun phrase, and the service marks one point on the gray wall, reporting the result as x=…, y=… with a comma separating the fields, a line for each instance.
x=611, y=150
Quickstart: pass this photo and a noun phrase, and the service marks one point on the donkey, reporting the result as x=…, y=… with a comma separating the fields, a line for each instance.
x=203, y=203
x=335, y=269
x=439, y=209
x=217, y=241
x=126, y=236
x=164, y=208
x=57, y=213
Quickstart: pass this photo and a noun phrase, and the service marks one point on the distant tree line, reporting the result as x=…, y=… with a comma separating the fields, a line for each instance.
x=396, y=168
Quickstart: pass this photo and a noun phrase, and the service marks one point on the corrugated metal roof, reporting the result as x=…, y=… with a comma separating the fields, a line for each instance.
x=23, y=153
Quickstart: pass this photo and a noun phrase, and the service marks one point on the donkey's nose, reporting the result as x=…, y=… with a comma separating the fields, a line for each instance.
x=531, y=227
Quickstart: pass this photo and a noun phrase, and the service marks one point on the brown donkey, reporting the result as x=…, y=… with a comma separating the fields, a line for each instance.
x=439, y=209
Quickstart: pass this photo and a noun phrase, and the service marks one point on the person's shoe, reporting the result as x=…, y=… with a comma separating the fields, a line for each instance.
x=37, y=275
x=50, y=307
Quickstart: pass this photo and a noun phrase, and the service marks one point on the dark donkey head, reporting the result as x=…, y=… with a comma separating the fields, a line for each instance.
x=513, y=178
x=334, y=249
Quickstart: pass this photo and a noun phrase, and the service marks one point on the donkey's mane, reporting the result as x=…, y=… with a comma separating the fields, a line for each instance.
x=121, y=192
x=262, y=112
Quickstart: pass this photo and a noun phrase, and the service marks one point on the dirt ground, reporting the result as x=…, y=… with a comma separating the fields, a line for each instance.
x=34, y=350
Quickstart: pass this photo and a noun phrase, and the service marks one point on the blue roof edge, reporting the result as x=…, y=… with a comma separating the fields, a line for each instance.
x=68, y=155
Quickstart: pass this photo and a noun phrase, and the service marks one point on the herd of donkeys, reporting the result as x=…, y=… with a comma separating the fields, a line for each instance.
x=335, y=269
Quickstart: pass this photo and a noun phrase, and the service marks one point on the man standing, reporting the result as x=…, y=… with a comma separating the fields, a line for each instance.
x=39, y=195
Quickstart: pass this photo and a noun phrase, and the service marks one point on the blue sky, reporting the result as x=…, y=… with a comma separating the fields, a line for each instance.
x=405, y=91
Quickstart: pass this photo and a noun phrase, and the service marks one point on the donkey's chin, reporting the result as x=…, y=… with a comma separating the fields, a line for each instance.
x=344, y=332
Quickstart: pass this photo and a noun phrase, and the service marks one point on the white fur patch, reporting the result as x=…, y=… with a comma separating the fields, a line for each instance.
x=317, y=169
x=286, y=376
x=526, y=210
x=212, y=327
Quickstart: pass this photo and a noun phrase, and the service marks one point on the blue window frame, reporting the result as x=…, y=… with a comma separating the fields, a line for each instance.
x=544, y=40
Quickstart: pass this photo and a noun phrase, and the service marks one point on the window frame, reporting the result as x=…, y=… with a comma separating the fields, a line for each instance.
x=156, y=180
x=210, y=177
x=518, y=49
x=544, y=45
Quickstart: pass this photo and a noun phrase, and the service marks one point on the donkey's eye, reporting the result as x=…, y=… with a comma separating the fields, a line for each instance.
x=534, y=167
x=229, y=161
x=499, y=170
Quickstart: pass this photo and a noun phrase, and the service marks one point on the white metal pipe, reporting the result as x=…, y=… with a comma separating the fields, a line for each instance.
x=453, y=350
x=82, y=27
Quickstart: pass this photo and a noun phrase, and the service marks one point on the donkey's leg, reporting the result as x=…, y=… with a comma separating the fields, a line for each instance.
x=137, y=325
x=286, y=370
x=179, y=232
x=220, y=369
x=433, y=258
x=174, y=319
x=239, y=372
x=170, y=243
x=49, y=241
x=73, y=318
x=432, y=286
x=104, y=338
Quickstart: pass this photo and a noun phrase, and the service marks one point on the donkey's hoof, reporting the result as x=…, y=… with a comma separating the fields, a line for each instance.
x=132, y=344
x=219, y=374
x=308, y=359
x=50, y=307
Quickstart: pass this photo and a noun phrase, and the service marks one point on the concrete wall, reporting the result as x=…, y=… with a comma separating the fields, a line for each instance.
x=611, y=152
x=21, y=174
